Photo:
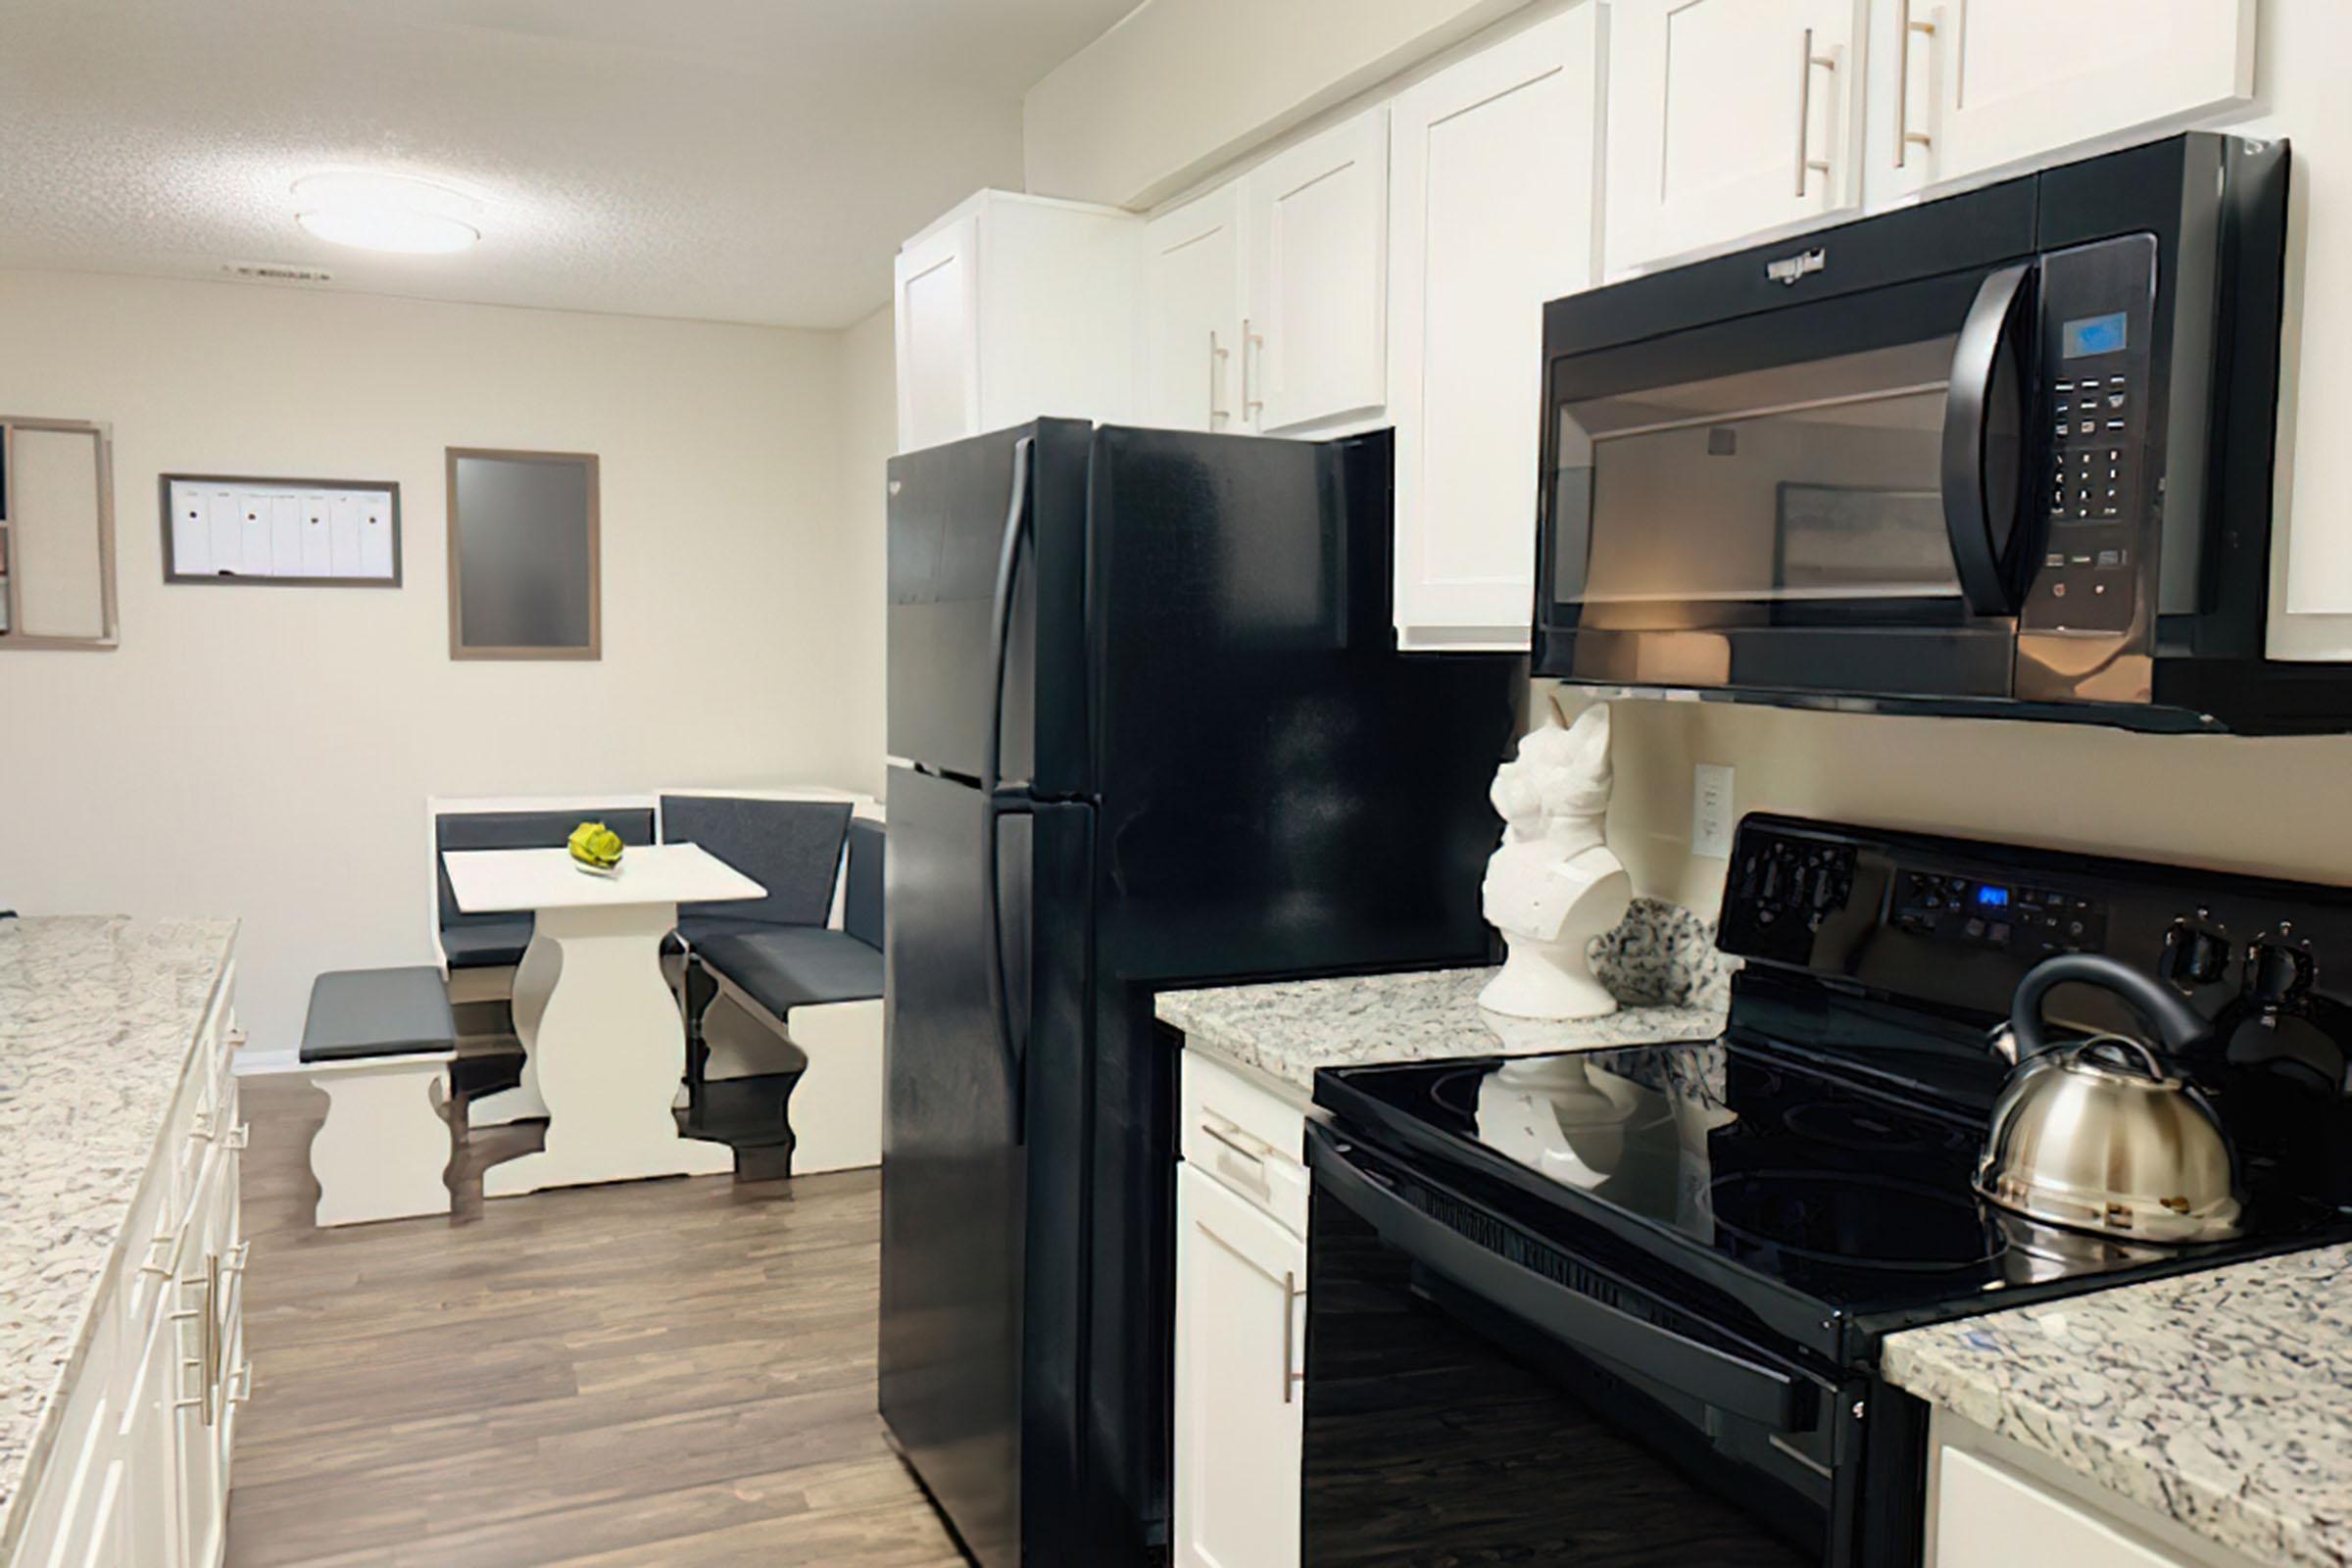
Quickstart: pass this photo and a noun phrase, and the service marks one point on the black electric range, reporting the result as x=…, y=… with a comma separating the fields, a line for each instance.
x=1660, y=1275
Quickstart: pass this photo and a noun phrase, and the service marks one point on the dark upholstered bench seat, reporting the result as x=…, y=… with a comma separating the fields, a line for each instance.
x=786, y=966
x=497, y=942
x=358, y=1013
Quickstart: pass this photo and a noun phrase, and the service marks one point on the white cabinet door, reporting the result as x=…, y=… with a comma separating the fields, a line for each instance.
x=2017, y=80
x=1192, y=286
x=939, y=337
x=1987, y=1516
x=1472, y=261
x=146, y=1443
x=1240, y=1319
x=1317, y=221
x=1729, y=118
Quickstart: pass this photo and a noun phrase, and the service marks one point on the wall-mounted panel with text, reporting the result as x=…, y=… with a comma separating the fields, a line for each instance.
x=341, y=533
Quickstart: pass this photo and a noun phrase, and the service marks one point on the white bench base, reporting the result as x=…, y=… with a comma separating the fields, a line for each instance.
x=384, y=1152
x=836, y=1110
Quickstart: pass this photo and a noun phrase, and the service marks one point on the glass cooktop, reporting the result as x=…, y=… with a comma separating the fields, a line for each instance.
x=1826, y=1205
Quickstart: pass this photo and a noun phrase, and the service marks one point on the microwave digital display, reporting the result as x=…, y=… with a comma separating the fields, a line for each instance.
x=2092, y=334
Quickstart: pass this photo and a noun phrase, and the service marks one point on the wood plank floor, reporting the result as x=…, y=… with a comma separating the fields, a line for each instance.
x=676, y=1373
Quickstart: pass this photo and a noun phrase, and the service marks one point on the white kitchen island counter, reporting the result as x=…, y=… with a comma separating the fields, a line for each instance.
x=100, y=1021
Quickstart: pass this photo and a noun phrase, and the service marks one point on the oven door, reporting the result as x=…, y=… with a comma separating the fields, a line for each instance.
x=1476, y=1394
x=1825, y=496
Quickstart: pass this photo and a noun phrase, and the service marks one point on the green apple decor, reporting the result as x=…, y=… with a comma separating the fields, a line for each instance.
x=595, y=848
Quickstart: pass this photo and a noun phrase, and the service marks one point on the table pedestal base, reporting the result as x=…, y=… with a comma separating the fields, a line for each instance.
x=605, y=1046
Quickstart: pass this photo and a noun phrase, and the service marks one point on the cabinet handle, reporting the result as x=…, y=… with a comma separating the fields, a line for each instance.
x=1290, y=1337
x=1251, y=407
x=162, y=1239
x=1806, y=163
x=1217, y=356
x=1905, y=138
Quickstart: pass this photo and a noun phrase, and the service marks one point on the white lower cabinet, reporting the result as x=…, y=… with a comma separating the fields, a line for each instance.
x=1993, y=1503
x=1472, y=262
x=1241, y=1318
x=1241, y=1322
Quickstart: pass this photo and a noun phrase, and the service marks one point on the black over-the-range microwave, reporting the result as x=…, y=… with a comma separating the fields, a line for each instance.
x=2007, y=453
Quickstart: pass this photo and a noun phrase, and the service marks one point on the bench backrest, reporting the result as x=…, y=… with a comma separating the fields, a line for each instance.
x=790, y=847
x=862, y=897
x=536, y=829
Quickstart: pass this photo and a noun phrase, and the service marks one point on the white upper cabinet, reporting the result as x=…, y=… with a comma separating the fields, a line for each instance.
x=1493, y=182
x=1989, y=84
x=1317, y=216
x=1015, y=306
x=1729, y=118
x=1194, y=284
x=938, y=332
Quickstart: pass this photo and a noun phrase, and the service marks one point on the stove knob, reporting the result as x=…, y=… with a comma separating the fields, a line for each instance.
x=2193, y=957
x=2277, y=974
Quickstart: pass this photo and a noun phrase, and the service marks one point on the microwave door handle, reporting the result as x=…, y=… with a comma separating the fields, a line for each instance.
x=1730, y=1383
x=997, y=800
x=1970, y=507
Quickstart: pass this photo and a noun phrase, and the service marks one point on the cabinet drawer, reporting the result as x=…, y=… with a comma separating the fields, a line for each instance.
x=1250, y=1139
x=1988, y=1516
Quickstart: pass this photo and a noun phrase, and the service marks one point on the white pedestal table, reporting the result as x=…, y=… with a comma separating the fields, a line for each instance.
x=605, y=1045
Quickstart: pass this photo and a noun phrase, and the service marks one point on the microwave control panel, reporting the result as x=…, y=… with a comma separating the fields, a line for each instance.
x=2100, y=515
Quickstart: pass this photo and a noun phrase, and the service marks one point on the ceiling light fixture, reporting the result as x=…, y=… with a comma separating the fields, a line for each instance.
x=387, y=213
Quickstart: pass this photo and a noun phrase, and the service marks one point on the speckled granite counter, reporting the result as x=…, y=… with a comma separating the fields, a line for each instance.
x=2222, y=1401
x=97, y=1016
x=1662, y=962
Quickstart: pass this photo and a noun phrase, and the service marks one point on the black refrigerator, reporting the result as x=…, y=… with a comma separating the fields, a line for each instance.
x=1147, y=728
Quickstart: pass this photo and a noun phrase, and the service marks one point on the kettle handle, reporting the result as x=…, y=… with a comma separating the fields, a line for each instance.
x=2177, y=1024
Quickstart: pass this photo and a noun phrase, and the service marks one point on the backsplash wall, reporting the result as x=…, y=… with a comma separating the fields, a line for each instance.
x=2277, y=806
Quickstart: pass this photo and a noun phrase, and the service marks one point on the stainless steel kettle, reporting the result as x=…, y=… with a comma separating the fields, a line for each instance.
x=2097, y=1135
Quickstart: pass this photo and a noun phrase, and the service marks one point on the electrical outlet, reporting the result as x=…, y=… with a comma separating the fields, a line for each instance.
x=1711, y=811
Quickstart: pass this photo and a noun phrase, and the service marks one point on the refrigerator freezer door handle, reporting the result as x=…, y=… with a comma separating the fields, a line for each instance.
x=998, y=802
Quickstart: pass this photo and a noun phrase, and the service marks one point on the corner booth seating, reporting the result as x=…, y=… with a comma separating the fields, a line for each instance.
x=782, y=999
x=784, y=995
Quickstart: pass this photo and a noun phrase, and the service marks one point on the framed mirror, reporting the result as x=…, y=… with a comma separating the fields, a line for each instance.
x=525, y=580
x=57, y=535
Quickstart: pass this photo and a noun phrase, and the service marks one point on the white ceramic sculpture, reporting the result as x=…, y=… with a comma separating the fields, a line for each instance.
x=1553, y=885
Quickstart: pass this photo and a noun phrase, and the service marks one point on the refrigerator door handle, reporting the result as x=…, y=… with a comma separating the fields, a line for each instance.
x=996, y=800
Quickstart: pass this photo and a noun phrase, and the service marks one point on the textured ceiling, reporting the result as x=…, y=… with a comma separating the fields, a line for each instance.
x=731, y=160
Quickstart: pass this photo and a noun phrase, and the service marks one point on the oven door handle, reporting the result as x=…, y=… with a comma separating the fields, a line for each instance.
x=1974, y=498
x=1730, y=1383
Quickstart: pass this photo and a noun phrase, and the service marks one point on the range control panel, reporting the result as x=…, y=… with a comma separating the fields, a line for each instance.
x=2034, y=921
x=2097, y=313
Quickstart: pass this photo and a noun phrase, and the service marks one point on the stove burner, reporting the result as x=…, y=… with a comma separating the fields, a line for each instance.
x=1871, y=1223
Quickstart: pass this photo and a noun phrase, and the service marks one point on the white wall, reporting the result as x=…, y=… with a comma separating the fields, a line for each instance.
x=1180, y=86
x=869, y=434
x=266, y=753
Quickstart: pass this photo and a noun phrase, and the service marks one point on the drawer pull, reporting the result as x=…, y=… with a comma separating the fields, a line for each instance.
x=1291, y=1378
x=1256, y=1156
x=168, y=1239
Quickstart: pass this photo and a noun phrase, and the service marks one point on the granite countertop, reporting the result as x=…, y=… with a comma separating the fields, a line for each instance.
x=97, y=1016
x=2221, y=1400
x=1661, y=964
